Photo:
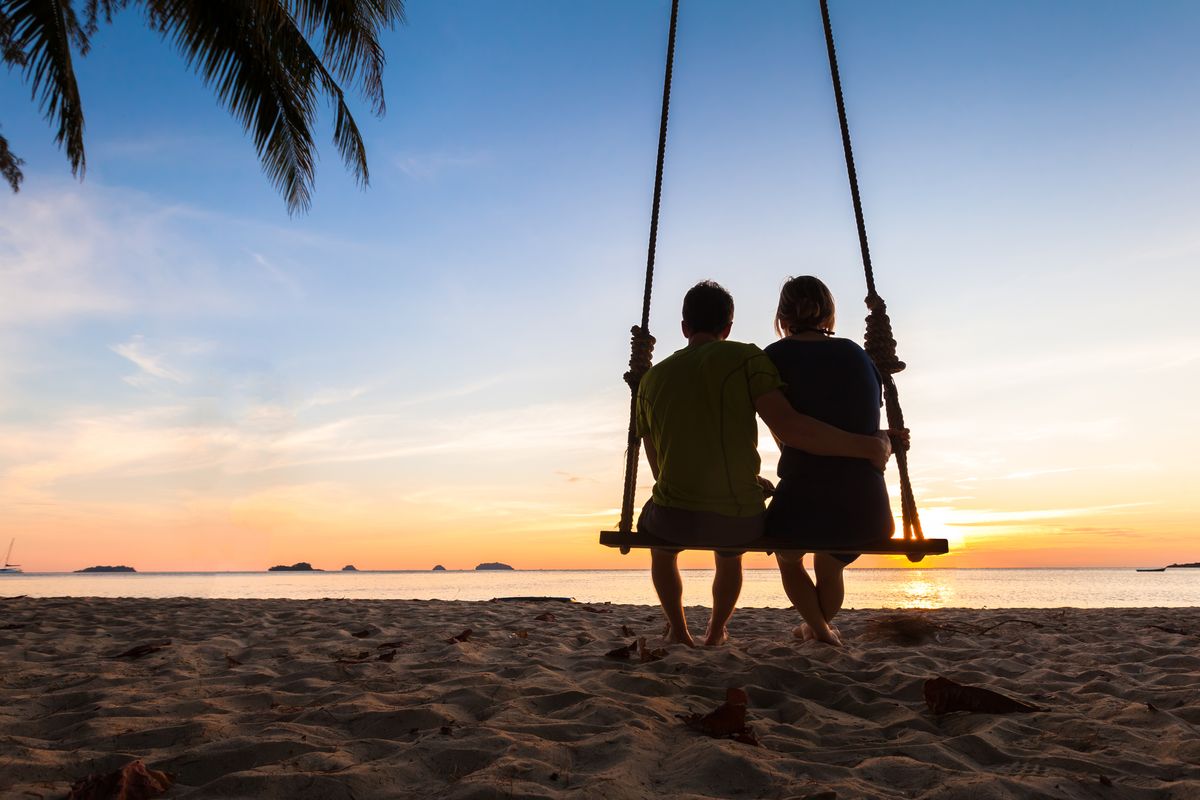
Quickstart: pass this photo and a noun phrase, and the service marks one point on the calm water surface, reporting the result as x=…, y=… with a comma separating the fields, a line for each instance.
x=866, y=588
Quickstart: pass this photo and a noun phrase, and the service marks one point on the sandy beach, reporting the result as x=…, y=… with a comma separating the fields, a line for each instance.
x=375, y=699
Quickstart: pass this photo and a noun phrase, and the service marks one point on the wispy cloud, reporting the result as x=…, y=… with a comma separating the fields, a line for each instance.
x=150, y=363
x=427, y=166
x=984, y=518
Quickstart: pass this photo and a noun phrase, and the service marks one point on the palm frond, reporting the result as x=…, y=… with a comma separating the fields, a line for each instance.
x=37, y=36
x=264, y=71
x=10, y=166
x=349, y=30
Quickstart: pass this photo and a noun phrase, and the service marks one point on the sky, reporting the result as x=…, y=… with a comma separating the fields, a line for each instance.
x=429, y=371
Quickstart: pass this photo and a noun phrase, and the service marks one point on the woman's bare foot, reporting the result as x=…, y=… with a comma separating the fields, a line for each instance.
x=826, y=635
x=685, y=638
x=717, y=639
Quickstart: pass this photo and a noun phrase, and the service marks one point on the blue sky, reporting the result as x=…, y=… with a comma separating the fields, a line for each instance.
x=435, y=362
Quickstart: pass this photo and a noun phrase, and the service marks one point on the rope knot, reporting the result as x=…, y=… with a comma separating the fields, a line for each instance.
x=879, y=342
x=641, y=355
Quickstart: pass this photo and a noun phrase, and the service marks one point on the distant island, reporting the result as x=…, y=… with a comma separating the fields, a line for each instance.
x=349, y=568
x=438, y=568
x=493, y=565
x=1193, y=565
x=300, y=566
x=121, y=568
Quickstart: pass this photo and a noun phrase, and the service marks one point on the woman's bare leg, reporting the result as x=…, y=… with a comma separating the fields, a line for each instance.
x=831, y=587
x=664, y=572
x=726, y=588
x=803, y=594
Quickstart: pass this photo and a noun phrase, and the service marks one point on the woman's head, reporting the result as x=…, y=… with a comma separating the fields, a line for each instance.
x=805, y=304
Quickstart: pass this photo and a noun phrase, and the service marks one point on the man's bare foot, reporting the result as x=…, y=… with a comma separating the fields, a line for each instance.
x=685, y=638
x=718, y=639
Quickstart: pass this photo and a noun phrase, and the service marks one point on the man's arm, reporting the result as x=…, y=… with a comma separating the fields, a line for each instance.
x=816, y=437
x=651, y=456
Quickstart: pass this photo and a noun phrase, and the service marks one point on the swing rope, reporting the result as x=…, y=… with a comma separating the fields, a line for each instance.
x=641, y=346
x=880, y=344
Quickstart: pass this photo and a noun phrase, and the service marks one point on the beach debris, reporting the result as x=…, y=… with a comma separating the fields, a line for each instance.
x=353, y=658
x=646, y=655
x=362, y=634
x=462, y=637
x=391, y=645
x=622, y=653
x=911, y=628
x=944, y=696
x=1011, y=621
x=594, y=610
x=231, y=662
x=143, y=649
x=521, y=634
x=389, y=656
x=546, y=617
x=134, y=781
x=1105, y=780
x=726, y=721
x=626, y=630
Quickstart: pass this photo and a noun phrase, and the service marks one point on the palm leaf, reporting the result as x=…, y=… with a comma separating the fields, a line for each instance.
x=37, y=36
x=349, y=30
x=264, y=71
x=10, y=166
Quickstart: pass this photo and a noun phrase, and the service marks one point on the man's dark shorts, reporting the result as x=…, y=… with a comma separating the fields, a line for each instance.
x=688, y=528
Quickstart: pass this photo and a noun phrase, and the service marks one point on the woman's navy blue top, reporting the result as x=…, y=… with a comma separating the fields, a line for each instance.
x=829, y=501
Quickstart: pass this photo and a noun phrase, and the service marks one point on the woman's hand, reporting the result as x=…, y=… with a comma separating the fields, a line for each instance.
x=768, y=488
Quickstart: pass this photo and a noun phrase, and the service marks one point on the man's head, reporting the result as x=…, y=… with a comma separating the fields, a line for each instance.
x=707, y=309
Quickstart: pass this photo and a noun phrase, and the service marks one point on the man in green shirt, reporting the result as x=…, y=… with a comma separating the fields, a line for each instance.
x=696, y=417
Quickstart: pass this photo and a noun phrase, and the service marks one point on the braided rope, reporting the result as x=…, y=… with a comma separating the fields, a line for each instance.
x=880, y=344
x=642, y=343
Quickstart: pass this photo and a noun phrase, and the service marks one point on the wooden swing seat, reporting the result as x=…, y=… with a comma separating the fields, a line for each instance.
x=915, y=549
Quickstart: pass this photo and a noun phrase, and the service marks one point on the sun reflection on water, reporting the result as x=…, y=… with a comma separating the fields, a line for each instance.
x=922, y=591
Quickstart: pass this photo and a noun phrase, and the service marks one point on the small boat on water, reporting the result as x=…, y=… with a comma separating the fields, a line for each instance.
x=1154, y=569
x=10, y=569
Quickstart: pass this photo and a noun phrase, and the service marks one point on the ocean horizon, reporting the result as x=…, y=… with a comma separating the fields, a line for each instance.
x=887, y=587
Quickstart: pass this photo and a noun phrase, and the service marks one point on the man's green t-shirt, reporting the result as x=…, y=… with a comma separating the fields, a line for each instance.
x=697, y=408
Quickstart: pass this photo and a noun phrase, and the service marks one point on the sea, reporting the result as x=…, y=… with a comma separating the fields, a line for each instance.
x=865, y=588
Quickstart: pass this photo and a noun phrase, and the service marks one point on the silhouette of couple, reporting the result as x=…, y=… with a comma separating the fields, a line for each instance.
x=696, y=414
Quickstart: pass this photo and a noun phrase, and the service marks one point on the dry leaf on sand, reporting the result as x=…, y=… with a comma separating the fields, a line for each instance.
x=143, y=649
x=462, y=637
x=645, y=654
x=134, y=781
x=944, y=696
x=728, y=720
x=623, y=652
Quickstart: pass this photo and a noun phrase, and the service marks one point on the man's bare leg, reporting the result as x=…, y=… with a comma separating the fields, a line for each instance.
x=803, y=594
x=726, y=588
x=831, y=587
x=664, y=571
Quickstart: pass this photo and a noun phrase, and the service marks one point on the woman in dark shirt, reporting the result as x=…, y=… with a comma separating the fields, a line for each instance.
x=824, y=502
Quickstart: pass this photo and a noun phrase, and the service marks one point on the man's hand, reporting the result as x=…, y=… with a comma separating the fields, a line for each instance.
x=767, y=487
x=880, y=459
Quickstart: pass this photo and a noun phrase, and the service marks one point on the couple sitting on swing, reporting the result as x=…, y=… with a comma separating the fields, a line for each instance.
x=820, y=396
